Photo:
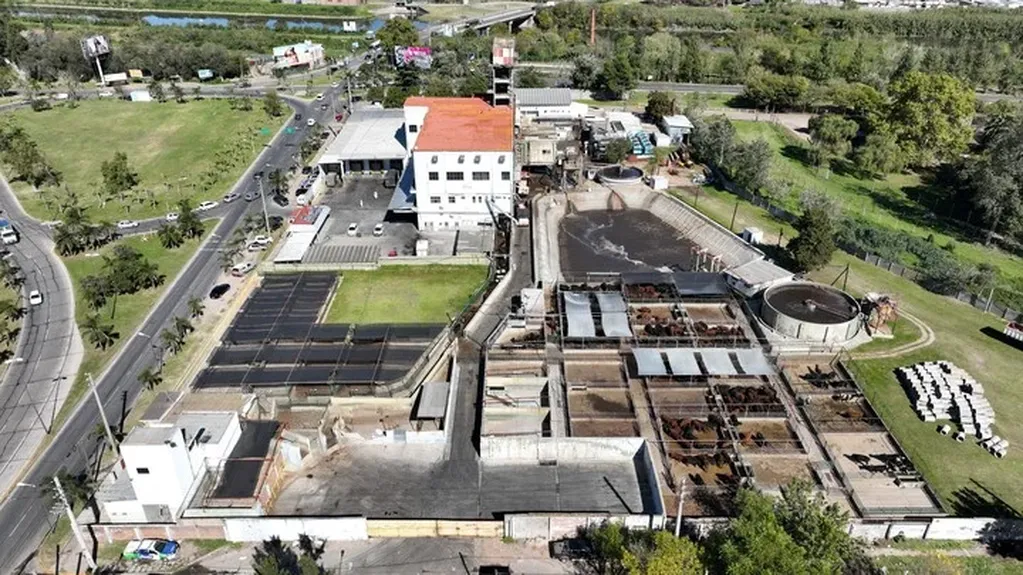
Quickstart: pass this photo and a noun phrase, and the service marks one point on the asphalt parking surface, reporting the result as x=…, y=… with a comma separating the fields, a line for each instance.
x=364, y=201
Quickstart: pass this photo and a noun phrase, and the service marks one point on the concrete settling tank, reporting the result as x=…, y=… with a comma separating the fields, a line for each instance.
x=616, y=174
x=811, y=312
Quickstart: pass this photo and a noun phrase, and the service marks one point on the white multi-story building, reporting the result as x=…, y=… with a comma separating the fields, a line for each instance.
x=461, y=161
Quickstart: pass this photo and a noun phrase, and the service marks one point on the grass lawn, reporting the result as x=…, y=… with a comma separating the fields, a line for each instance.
x=131, y=309
x=966, y=478
x=942, y=563
x=405, y=294
x=903, y=332
x=172, y=146
x=884, y=203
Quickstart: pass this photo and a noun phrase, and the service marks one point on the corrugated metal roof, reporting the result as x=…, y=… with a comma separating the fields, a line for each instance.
x=543, y=96
x=759, y=272
x=753, y=362
x=678, y=121
x=649, y=362
x=683, y=361
x=717, y=362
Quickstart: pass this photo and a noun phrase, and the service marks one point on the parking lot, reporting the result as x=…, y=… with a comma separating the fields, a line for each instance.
x=363, y=202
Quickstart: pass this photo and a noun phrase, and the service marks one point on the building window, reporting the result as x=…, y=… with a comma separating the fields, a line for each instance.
x=142, y=470
x=481, y=176
x=433, y=159
x=455, y=176
x=434, y=199
x=500, y=159
x=434, y=176
x=451, y=199
x=476, y=160
x=461, y=159
x=413, y=128
x=505, y=176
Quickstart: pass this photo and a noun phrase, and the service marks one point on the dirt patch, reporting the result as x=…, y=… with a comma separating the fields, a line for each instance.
x=834, y=415
x=579, y=372
x=611, y=403
x=772, y=472
x=604, y=428
x=767, y=436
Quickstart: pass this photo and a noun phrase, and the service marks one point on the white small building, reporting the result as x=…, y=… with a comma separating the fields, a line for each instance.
x=462, y=162
x=372, y=141
x=677, y=127
x=165, y=464
x=545, y=104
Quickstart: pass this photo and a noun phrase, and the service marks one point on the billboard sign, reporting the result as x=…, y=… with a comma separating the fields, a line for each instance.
x=205, y=74
x=418, y=56
x=504, y=52
x=95, y=46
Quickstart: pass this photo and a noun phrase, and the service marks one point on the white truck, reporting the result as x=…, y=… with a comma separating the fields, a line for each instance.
x=7, y=233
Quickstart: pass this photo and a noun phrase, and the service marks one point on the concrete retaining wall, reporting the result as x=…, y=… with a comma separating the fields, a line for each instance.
x=288, y=529
x=533, y=448
x=184, y=529
x=433, y=528
x=554, y=527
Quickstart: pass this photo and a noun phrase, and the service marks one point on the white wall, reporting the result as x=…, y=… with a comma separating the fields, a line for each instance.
x=543, y=112
x=288, y=529
x=160, y=474
x=124, y=511
x=452, y=204
x=535, y=448
x=414, y=116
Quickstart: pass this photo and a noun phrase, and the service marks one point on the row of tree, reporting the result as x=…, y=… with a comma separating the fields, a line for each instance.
x=21, y=154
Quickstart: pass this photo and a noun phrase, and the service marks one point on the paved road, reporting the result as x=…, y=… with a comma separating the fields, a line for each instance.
x=49, y=351
x=24, y=515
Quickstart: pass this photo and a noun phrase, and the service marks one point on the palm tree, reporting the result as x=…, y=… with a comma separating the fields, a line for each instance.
x=172, y=341
x=170, y=236
x=227, y=260
x=195, y=307
x=278, y=180
x=182, y=326
x=12, y=311
x=101, y=335
x=150, y=378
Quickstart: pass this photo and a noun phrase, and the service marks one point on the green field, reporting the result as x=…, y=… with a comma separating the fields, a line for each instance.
x=171, y=145
x=966, y=478
x=942, y=564
x=883, y=203
x=405, y=294
x=130, y=310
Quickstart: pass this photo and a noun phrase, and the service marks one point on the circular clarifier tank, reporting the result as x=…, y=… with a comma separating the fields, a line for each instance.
x=811, y=312
x=619, y=175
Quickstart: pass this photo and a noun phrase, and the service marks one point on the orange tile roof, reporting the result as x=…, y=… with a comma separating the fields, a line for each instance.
x=464, y=125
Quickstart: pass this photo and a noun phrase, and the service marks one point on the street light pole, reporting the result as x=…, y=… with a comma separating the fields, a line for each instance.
x=102, y=413
x=262, y=197
x=74, y=523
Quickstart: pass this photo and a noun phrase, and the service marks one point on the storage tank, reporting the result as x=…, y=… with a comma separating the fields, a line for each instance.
x=811, y=312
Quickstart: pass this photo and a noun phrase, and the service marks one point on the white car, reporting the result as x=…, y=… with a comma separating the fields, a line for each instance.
x=262, y=240
x=353, y=229
x=228, y=198
x=319, y=96
x=34, y=297
x=127, y=224
x=205, y=206
x=335, y=84
x=310, y=122
x=255, y=247
x=171, y=217
x=378, y=230
x=106, y=94
x=241, y=269
x=60, y=96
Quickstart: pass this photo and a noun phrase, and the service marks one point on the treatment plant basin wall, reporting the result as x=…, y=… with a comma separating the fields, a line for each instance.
x=810, y=311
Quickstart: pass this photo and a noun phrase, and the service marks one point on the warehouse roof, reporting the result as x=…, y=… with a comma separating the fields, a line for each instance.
x=369, y=135
x=543, y=96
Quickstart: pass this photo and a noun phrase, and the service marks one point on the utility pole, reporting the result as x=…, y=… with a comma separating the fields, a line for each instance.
x=102, y=414
x=735, y=210
x=678, y=515
x=262, y=196
x=71, y=516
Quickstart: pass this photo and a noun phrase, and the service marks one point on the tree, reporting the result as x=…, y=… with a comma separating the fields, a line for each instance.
x=617, y=77
x=815, y=525
x=101, y=335
x=755, y=543
x=930, y=115
x=397, y=32
x=585, y=70
x=666, y=555
x=618, y=150
x=996, y=194
x=278, y=180
x=273, y=557
x=170, y=236
x=750, y=165
x=78, y=488
x=661, y=104
x=156, y=91
x=8, y=79
x=813, y=247
x=776, y=93
x=831, y=135
x=182, y=326
x=188, y=221
x=177, y=92
x=880, y=154
x=95, y=290
x=196, y=307
x=273, y=105
x=119, y=176
x=150, y=378
x=172, y=341
x=528, y=77
x=712, y=140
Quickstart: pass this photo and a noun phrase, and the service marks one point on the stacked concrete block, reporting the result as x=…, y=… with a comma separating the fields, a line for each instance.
x=941, y=390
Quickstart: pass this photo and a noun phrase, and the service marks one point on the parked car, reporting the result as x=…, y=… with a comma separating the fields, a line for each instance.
x=310, y=122
x=254, y=247
x=250, y=196
x=243, y=268
x=280, y=199
x=335, y=84
x=320, y=96
x=262, y=240
x=171, y=217
x=353, y=229
x=298, y=117
x=127, y=224
x=276, y=222
x=34, y=297
x=378, y=230
x=206, y=206
x=150, y=550
x=106, y=94
x=219, y=290
x=307, y=170
x=228, y=198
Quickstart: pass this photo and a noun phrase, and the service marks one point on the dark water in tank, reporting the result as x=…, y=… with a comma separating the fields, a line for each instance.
x=621, y=241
